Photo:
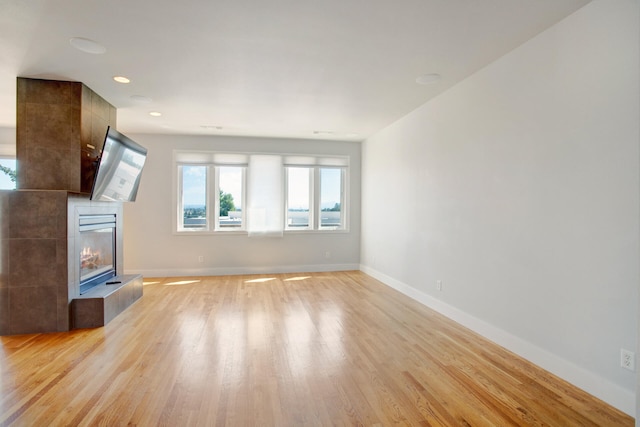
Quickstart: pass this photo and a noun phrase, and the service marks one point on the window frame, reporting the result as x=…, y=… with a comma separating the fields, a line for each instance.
x=212, y=194
x=343, y=215
x=243, y=199
x=213, y=160
x=315, y=195
x=311, y=201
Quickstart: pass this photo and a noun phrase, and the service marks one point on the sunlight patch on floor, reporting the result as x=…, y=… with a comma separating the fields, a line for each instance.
x=182, y=282
x=266, y=279
x=148, y=282
x=295, y=279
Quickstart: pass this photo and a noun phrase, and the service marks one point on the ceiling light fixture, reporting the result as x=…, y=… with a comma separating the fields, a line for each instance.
x=87, y=45
x=121, y=79
x=427, y=79
x=155, y=113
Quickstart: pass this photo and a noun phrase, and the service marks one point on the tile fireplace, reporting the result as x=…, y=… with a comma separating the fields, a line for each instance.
x=55, y=243
x=41, y=261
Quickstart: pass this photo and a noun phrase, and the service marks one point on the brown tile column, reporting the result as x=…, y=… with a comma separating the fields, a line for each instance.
x=60, y=129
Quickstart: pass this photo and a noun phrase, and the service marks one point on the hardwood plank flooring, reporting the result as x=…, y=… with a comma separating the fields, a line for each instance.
x=316, y=349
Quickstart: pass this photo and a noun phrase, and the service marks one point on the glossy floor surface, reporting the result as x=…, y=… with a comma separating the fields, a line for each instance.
x=315, y=349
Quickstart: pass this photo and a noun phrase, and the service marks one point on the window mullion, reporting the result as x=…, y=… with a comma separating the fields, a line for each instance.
x=286, y=197
x=343, y=197
x=180, y=207
x=315, y=198
x=244, y=197
x=215, y=191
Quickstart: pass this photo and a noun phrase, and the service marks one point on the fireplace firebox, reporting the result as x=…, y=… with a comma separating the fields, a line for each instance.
x=97, y=248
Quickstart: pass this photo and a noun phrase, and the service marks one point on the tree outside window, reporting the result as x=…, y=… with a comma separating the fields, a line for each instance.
x=7, y=174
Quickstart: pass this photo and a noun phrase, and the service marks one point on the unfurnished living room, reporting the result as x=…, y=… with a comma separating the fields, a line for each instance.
x=292, y=213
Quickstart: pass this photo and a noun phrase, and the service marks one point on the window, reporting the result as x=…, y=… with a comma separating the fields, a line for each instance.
x=315, y=196
x=7, y=174
x=260, y=194
x=194, y=200
x=331, y=198
x=229, y=201
x=299, y=197
x=202, y=187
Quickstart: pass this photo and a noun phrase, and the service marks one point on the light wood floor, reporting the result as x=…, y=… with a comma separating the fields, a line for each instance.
x=280, y=350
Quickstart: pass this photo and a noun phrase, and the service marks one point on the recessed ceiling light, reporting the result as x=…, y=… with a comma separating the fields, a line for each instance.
x=141, y=99
x=427, y=79
x=88, y=46
x=214, y=127
x=121, y=79
x=155, y=113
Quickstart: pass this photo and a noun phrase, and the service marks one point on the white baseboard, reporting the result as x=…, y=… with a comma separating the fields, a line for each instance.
x=272, y=269
x=599, y=387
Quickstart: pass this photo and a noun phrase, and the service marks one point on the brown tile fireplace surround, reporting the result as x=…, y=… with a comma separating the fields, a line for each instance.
x=60, y=127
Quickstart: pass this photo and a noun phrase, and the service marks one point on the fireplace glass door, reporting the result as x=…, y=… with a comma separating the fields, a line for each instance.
x=97, y=250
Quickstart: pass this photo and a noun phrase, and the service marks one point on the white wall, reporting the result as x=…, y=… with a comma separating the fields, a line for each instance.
x=151, y=248
x=519, y=189
x=7, y=142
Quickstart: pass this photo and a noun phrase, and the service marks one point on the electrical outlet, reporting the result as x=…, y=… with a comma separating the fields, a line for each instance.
x=439, y=285
x=200, y=258
x=327, y=254
x=628, y=359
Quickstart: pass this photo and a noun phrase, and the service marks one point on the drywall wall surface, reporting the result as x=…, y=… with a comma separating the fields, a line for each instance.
x=518, y=189
x=7, y=142
x=153, y=248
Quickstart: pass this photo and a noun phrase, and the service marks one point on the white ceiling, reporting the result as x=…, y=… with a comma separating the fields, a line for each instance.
x=285, y=68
